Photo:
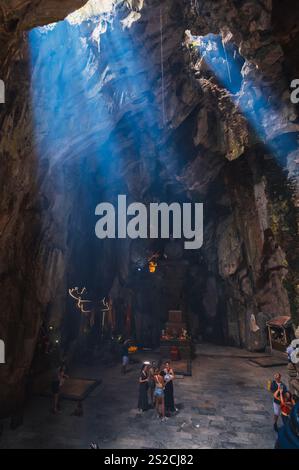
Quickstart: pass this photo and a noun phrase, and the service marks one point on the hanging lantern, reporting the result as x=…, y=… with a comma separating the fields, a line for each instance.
x=152, y=266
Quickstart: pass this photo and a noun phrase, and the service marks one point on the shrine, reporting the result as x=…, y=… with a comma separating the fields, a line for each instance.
x=175, y=342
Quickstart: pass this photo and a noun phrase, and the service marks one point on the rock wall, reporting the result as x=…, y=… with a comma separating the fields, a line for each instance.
x=31, y=266
x=59, y=158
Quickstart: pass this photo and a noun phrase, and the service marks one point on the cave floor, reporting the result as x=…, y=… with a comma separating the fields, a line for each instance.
x=224, y=404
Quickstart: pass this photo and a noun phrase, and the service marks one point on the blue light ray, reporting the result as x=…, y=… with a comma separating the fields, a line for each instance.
x=81, y=91
x=59, y=60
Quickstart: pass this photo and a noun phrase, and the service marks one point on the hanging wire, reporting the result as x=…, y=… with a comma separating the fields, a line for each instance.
x=195, y=6
x=162, y=67
x=227, y=63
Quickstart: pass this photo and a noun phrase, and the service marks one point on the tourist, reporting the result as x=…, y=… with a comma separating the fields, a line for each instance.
x=169, y=377
x=125, y=356
x=143, y=388
x=159, y=395
x=277, y=386
x=152, y=383
x=57, y=383
x=286, y=404
x=288, y=435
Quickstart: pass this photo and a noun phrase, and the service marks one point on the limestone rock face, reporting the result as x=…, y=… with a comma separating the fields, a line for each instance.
x=88, y=117
x=229, y=249
x=26, y=14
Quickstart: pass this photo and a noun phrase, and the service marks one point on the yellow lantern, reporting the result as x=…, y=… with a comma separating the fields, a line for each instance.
x=152, y=266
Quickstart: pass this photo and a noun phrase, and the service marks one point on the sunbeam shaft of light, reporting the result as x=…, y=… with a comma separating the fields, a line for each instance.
x=79, y=90
x=64, y=80
x=265, y=113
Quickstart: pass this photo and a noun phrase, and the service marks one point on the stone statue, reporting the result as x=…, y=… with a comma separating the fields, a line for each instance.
x=253, y=325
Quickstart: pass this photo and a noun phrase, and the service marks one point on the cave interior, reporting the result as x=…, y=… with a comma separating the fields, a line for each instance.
x=162, y=101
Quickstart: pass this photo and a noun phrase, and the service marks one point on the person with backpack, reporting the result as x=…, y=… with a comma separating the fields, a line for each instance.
x=287, y=403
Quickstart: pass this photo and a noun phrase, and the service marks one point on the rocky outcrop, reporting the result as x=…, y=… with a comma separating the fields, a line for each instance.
x=27, y=14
